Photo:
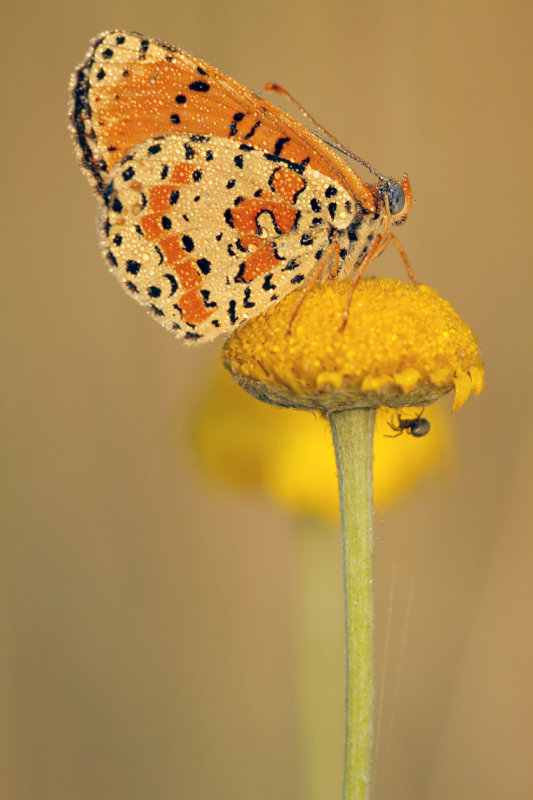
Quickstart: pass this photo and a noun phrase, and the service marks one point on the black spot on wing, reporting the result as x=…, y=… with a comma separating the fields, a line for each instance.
x=299, y=168
x=353, y=228
x=280, y=144
x=292, y=264
x=205, y=266
x=267, y=283
x=132, y=266
x=232, y=312
x=173, y=282
x=253, y=129
x=246, y=302
x=199, y=86
x=205, y=297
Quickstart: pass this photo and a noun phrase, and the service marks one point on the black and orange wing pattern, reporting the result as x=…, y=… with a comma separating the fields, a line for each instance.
x=215, y=203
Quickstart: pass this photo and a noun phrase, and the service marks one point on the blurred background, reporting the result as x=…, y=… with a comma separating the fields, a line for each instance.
x=151, y=619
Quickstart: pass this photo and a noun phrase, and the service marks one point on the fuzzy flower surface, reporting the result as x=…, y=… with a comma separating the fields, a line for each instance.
x=393, y=344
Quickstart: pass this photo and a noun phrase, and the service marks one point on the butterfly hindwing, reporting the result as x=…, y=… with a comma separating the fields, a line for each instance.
x=207, y=231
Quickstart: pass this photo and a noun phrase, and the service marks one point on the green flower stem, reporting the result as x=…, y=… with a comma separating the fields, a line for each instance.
x=353, y=438
x=318, y=650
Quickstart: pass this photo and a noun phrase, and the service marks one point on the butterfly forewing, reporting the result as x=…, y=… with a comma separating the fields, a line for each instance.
x=132, y=88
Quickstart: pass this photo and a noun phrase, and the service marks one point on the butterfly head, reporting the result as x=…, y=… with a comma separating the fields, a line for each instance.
x=396, y=198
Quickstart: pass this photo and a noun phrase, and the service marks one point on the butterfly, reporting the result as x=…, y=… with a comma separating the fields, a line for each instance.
x=215, y=204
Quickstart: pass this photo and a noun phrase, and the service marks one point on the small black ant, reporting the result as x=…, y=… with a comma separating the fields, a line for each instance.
x=418, y=426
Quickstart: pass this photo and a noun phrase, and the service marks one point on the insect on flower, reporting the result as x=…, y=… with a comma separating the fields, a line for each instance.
x=418, y=426
x=215, y=204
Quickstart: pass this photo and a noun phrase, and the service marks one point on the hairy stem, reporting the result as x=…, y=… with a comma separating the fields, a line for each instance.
x=353, y=436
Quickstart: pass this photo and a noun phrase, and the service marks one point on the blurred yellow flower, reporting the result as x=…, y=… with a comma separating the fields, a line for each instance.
x=290, y=455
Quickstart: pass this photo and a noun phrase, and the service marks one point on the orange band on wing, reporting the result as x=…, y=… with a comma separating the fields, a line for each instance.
x=259, y=263
x=287, y=184
x=245, y=216
x=187, y=274
x=192, y=307
x=172, y=248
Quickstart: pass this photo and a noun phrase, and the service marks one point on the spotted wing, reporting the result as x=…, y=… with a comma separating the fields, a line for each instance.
x=132, y=88
x=208, y=231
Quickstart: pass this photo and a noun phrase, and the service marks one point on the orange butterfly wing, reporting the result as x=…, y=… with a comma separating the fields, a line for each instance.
x=215, y=202
x=131, y=88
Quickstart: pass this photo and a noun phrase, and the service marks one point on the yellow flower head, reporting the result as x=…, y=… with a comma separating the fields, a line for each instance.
x=402, y=345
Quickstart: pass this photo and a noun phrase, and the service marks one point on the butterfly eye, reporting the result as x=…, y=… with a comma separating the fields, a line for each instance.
x=395, y=196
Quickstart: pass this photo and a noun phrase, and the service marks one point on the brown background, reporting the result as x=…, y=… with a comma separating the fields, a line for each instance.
x=147, y=620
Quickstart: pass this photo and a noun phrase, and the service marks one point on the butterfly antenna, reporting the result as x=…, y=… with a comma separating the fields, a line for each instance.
x=328, y=137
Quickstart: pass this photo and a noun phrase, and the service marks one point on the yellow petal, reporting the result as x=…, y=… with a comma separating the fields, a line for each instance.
x=463, y=389
x=478, y=379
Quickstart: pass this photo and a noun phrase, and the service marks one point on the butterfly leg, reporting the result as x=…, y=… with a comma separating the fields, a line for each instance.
x=390, y=237
x=405, y=260
x=380, y=242
x=332, y=251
